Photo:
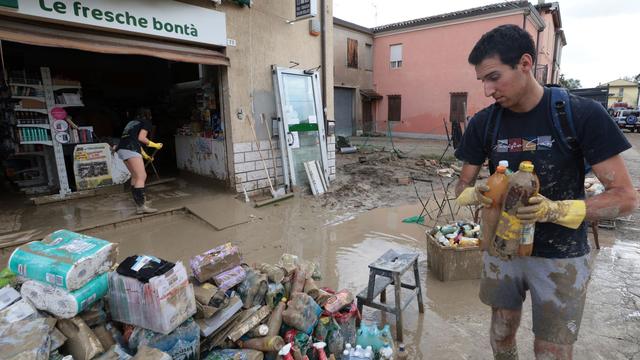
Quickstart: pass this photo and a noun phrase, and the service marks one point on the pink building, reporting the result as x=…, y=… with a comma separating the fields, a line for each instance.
x=420, y=66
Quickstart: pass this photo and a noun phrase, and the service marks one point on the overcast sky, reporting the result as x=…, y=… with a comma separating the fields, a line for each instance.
x=603, y=37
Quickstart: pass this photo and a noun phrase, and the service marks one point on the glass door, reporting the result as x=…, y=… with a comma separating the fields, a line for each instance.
x=299, y=106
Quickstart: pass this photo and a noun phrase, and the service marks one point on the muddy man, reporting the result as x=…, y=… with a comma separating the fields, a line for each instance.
x=558, y=272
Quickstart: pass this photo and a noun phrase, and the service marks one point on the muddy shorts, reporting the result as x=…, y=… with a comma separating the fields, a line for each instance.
x=558, y=290
x=125, y=154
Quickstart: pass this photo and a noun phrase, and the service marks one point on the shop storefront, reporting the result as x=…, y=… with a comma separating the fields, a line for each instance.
x=209, y=71
x=77, y=71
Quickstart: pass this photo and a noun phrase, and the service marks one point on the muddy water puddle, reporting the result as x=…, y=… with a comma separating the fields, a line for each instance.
x=455, y=323
x=343, y=249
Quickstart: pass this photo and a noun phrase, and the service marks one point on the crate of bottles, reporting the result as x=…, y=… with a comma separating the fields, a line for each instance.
x=449, y=263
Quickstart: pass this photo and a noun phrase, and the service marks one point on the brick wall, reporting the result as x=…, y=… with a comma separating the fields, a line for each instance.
x=249, y=170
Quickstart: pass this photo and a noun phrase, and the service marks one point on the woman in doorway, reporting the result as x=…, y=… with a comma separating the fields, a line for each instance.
x=134, y=137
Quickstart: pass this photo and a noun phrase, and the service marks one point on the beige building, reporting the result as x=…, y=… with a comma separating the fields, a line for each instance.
x=354, y=96
x=623, y=91
x=234, y=49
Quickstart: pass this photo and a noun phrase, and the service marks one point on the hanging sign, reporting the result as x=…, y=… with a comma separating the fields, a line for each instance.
x=165, y=18
x=60, y=125
x=306, y=9
x=58, y=113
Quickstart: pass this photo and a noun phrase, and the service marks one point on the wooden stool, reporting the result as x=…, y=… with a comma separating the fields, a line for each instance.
x=390, y=267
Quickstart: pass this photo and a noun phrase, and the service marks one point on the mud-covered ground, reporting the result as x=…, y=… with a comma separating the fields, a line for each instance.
x=346, y=230
x=385, y=174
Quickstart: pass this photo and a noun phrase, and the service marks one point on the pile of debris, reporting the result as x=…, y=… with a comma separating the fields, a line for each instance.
x=66, y=298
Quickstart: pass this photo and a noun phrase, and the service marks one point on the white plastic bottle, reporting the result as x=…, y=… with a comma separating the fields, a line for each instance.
x=346, y=355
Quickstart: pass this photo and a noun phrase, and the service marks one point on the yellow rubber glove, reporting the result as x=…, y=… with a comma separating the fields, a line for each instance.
x=509, y=227
x=151, y=144
x=145, y=156
x=568, y=213
x=473, y=196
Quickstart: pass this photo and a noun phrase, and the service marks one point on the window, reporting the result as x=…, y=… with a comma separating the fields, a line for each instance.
x=395, y=102
x=395, y=56
x=368, y=57
x=621, y=92
x=352, y=53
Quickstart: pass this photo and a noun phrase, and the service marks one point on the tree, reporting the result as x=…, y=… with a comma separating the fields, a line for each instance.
x=569, y=83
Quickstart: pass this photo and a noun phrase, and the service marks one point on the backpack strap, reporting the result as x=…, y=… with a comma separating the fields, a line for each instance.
x=491, y=132
x=563, y=120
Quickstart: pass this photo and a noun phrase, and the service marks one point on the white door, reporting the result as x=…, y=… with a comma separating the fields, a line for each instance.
x=299, y=104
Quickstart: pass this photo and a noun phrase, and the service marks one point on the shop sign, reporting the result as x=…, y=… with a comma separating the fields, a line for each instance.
x=306, y=9
x=92, y=166
x=13, y=4
x=166, y=18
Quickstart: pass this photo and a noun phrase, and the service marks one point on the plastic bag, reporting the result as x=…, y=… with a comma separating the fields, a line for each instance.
x=253, y=289
x=119, y=172
x=347, y=322
x=301, y=313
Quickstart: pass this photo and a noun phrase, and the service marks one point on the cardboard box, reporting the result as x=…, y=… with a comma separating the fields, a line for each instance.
x=213, y=262
x=448, y=263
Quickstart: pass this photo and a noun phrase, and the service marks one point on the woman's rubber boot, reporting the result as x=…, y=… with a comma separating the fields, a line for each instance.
x=141, y=207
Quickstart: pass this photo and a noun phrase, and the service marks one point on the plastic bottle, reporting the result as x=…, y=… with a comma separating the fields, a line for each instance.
x=498, y=184
x=368, y=353
x=275, y=321
x=319, y=350
x=386, y=352
x=523, y=184
x=346, y=355
x=264, y=344
x=528, y=230
x=505, y=163
x=402, y=353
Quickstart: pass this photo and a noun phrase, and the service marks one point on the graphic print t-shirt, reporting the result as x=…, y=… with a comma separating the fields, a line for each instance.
x=532, y=136
x=129, y=139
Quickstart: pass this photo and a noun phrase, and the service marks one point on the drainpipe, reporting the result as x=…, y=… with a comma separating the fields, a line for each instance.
x=323, y=52
x=555, y=56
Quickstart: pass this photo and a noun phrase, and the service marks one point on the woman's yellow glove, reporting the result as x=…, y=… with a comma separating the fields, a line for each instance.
x=568, y=213
x=145, y=156
x=151, y=144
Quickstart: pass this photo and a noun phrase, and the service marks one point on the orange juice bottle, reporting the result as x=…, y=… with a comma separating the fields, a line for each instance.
x=523, y=184
x=498, y=184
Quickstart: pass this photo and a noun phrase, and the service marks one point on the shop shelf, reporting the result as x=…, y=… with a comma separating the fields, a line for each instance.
x=35, y=86
x=69, y=105
x=41, y=111
x=38, y=98
x=47, y=142
x=29, y=153
x=42, y=126
x=60, y=87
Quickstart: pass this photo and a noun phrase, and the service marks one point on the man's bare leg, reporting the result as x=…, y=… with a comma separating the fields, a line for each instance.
x=504, y=325
x=545, y=350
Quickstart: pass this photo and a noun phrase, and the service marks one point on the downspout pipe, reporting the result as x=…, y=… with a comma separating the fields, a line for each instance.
x=555, y=55
x=323, y=54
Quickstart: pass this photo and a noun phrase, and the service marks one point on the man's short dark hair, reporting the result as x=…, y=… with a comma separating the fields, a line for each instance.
x=508, y=42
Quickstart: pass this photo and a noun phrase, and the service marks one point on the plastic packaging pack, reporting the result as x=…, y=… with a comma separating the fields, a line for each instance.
x=181, y=344
x=61, y=303
x=64, y=259
x=211, y=263
x=160, y=305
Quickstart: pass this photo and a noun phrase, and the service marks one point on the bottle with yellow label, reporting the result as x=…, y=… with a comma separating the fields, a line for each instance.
x=511, y=234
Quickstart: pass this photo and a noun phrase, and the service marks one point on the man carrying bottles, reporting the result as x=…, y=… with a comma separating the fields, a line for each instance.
x=558, y=271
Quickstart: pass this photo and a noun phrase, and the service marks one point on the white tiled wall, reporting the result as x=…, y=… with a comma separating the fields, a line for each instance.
x=249, y=169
